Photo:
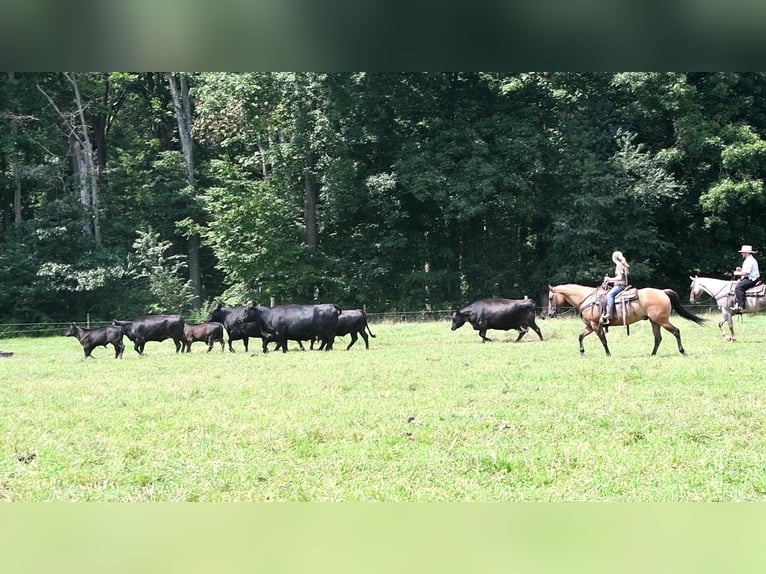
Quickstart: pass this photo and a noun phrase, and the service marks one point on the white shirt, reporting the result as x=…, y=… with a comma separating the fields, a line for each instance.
x=750, y=268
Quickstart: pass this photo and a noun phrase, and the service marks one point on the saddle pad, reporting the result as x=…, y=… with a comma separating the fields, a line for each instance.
x=757, y=291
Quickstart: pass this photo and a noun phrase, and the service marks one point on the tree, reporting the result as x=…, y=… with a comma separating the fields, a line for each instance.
x=179, y=89
x=83, y=161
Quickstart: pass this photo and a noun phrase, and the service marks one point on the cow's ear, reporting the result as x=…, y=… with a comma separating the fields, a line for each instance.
x=220, y=304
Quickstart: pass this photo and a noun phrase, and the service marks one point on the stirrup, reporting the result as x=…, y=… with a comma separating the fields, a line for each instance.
x=604, y=319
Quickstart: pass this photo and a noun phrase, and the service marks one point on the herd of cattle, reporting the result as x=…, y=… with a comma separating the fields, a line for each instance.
x=278, y=324
x=283, y=323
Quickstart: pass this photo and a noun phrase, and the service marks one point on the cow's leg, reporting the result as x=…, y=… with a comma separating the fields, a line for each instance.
x=88, y=351
x=179, y=343
x=231, y=349
x=522, y=332
x=363, y=333
x=483, y=335
x=246, y=340
x=354, y=337
x=138, y=345
x=118, y=349
x=536, y=329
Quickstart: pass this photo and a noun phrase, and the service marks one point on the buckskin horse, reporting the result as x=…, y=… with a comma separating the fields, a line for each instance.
x=647, y=303
x=723, y=292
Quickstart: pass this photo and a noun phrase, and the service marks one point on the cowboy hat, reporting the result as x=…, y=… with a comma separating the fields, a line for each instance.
x=747, y=249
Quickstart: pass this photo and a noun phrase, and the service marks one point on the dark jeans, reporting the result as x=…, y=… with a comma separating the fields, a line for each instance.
x=740, y=288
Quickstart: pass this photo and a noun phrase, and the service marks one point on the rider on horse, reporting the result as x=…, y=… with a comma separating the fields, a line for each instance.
x=748, y=274
x=618, y=283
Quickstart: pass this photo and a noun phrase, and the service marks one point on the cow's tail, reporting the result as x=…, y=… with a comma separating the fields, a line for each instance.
x=366, y=325
x=675, y=301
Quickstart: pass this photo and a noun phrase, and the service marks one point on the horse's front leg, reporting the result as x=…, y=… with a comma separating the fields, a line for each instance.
x=601, y=332
x=589, y=328
x=726, y=320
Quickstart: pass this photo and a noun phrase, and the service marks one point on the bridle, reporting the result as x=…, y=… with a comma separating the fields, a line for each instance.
x=552, y=303
x=590, y=300
x=726, y=287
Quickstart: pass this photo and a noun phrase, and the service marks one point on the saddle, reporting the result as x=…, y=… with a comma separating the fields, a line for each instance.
x=621, y=301
x=628, y=294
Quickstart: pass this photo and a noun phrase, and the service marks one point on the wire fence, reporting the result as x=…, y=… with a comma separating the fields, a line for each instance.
x=50, y=329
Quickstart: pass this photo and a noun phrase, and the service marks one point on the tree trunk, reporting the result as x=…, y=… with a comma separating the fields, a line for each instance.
x=84, y=157
x=100, y=126
x=179, y=89
x=15, y=162
x=310, y=202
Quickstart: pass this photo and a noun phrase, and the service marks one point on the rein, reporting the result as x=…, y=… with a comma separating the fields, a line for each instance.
x=584, y=304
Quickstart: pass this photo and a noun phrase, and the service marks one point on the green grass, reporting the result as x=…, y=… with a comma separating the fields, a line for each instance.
x=425, y=415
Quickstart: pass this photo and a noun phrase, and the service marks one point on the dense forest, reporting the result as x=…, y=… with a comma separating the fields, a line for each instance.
x=128, y=193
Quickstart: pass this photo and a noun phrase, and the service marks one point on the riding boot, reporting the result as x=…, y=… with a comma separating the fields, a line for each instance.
x=604, y=320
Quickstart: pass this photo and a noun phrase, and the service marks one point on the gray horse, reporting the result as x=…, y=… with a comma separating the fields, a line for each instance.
x=723, y=293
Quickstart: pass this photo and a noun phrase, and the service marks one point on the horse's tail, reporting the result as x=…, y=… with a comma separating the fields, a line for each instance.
x=675, y=301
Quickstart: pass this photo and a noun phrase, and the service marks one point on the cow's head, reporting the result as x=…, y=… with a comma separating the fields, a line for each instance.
x=458, y=319
x=249, y=313
x=215, y=314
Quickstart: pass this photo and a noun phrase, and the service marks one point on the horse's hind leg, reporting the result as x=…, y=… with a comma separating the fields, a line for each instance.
x=670, y=328
x=657, y=337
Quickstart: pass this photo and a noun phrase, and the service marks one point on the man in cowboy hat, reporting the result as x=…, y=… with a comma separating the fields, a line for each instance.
x=748, y=275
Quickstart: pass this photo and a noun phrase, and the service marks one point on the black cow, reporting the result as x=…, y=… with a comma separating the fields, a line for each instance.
x=236, y=326
x=98, y=337
x=209, y=333
x=500, y=314
x=153, y=328
x=352, y=322
x=294, y=322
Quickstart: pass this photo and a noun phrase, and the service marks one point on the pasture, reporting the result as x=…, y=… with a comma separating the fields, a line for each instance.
x=425, y=415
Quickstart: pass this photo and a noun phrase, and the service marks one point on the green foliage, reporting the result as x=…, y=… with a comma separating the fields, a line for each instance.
x=431, y=188
x=170, y=293
x=256, y=234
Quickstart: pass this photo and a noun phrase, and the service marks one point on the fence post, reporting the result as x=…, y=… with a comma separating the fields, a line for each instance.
x=272, y=301
x=87, y=320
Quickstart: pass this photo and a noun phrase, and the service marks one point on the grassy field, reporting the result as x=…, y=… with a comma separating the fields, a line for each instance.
x=425, y=415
